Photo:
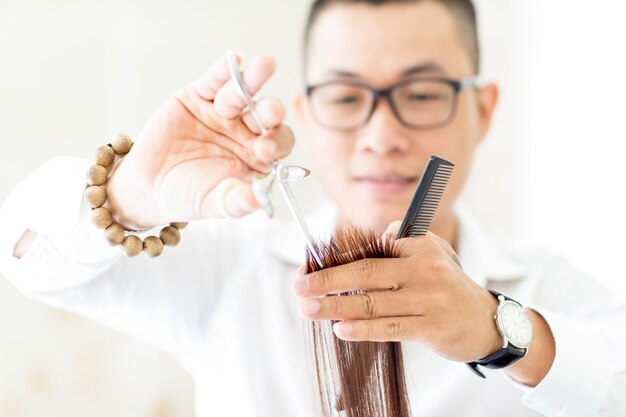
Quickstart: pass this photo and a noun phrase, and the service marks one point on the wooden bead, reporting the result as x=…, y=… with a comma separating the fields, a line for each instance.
x=132, y=245
x=153, y=246
x=170, y=236
x=96, y=196
x=121, y=144
x=114, y=234
x=102, y=217
x=97, y=175
x=105, y=156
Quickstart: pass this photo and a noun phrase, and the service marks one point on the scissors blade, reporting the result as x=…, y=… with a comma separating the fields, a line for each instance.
x=285, y=173
x=295, y=211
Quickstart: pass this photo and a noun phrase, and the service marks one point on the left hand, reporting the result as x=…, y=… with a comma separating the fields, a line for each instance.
x=422, y=296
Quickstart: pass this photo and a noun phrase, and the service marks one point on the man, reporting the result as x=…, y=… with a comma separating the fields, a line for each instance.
x=390, y=83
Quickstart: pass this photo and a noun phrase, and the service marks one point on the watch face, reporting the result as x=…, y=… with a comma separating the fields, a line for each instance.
x=515, y=324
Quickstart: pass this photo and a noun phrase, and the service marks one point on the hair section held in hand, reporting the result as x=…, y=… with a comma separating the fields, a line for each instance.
x=355, y=379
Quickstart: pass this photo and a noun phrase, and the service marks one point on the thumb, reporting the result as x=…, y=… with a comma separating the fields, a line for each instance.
x=233, y=198
x=392, y=230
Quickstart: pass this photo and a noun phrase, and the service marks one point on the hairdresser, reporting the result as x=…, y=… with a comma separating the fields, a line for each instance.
x=388, y=83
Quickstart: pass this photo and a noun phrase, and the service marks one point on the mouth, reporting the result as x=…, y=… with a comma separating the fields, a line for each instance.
x=387, y=183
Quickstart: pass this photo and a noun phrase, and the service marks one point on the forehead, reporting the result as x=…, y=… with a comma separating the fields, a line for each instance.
x=379, y=43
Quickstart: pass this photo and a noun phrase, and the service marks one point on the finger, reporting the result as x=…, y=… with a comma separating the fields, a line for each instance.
x=228, y=101
x=446, y=247
x=214, y=78
x=368, y=274
x=240, y=201
x=277, y=144
x=388, y=329
x=301, y=270
x=362, y=306
x=392, y=230
x=232, y=198
x=271, y=111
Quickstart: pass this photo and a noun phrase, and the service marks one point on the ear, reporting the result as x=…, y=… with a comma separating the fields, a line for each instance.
x=487, y=101
x=299, y=102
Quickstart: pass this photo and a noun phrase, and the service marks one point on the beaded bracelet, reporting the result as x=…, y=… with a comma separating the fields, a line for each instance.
x=96, y=195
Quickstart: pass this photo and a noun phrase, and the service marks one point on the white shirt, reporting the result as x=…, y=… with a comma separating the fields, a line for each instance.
x=221, y=303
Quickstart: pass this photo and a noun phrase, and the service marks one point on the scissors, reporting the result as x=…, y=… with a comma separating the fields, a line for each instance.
x=281, y=174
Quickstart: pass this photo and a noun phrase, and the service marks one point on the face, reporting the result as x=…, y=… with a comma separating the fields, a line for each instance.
x=371, y=172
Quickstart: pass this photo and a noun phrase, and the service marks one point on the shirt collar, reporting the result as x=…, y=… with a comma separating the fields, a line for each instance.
x=481, y=258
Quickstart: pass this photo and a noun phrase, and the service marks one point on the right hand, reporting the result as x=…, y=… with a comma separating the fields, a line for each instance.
x=196, y=140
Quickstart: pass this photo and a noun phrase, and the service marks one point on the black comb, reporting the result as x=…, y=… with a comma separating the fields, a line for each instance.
x=426, y=199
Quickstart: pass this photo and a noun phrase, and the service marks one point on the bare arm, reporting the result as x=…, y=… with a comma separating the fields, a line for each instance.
x=532, y=368
x=22, y=246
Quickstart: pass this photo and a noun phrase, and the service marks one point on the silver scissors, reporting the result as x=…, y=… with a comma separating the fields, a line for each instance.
x=281, y=174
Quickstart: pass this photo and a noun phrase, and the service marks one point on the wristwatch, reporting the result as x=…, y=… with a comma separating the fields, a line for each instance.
x=517, y=333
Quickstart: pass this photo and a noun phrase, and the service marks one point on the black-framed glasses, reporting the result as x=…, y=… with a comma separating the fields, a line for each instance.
x=418, y=103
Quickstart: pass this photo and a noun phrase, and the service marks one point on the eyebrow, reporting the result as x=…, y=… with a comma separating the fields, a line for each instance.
x=425, y=67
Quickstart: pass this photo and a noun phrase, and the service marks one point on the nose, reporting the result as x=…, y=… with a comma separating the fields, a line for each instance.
x=384, y=134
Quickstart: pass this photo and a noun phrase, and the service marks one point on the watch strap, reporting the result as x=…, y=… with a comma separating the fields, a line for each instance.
x=503, y=357
x=500, y=359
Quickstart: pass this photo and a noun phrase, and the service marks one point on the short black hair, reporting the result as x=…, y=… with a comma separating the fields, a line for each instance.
x=463, y=11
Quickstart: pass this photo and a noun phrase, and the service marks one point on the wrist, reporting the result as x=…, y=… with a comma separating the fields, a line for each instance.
x=97, y=194
x=532, y=369
x=124, y=201
x=516, y=327
x=493, y=339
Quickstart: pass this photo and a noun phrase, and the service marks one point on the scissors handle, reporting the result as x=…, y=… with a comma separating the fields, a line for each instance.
x=280, y=172
x=243, y=90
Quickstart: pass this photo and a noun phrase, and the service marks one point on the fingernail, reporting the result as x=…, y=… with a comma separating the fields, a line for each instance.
x=310, y=306
x=272, y=146
x=343, y=328
x=300, y=286
x=265, y=148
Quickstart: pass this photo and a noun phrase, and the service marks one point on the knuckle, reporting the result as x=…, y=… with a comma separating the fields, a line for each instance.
x=437, y=267
x=322, y=281
x=368, y=305
x=364, y=269
x=393, y=329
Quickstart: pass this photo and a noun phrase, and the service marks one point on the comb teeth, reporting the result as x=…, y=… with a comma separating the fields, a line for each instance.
x=426, y=199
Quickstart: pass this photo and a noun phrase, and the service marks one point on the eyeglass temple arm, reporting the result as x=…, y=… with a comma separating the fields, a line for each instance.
x=473, y=81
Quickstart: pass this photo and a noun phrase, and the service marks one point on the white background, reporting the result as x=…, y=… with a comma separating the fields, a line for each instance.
x=72, y=73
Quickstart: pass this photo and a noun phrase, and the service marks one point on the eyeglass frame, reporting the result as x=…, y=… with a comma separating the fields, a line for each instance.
x=472, y=81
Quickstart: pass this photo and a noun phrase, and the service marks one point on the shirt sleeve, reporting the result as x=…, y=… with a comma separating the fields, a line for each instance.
x=588, y=322
x=68, y=249
x=166, y=301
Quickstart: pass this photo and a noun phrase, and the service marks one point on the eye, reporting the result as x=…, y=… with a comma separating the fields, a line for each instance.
x=344, y=100
x=424, y=97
